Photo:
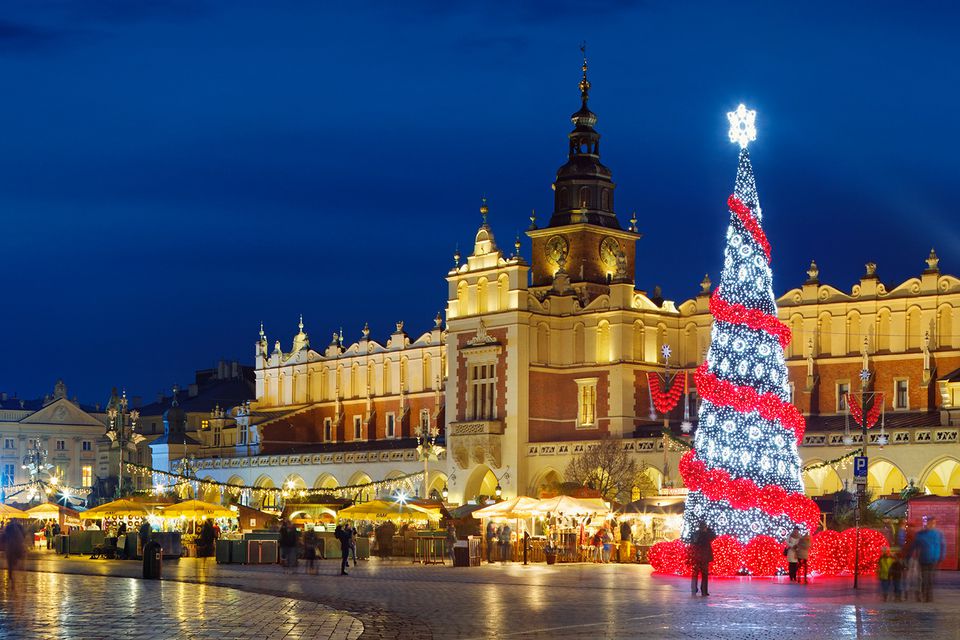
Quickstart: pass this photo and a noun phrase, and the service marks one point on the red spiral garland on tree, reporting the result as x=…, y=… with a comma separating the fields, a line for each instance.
x=746, y=399
x=746, y=217
x=753, y=318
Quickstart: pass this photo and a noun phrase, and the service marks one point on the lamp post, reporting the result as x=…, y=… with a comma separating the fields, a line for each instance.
x=427, y=450
x=865, y=396
x=122, y=431
x=504, y=477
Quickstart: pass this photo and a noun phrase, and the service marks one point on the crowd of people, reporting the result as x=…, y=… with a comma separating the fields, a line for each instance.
x=907, y=571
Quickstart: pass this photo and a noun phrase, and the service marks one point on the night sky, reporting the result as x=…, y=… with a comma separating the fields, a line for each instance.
x=174, y=172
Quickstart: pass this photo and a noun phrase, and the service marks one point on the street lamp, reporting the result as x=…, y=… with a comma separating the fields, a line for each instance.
x=122, y=431
x=863, y=420
x=427, y=450
x=505, y=478
x=445, y=492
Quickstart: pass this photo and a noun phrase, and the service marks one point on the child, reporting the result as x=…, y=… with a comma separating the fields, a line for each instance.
x=896, y=576
x=883, y=572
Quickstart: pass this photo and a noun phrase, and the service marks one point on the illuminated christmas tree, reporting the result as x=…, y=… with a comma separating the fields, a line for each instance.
x=744, y=472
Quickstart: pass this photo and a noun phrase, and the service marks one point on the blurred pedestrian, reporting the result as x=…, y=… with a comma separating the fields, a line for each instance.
x=607, y=540
x=491, y=535
x=930, y=550
x=791, y=552
x=505, y=543
x=353, y=543
x=700, y=557
x=450, y=540
x=896, y=576
x=344, y=535
x=803, y=553
x=288, y=545
x=15, y=550
x=883, y=572
x=310, y=549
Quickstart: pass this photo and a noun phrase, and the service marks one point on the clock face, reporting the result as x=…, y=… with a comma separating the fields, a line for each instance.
x=556, y=250
x=610, y=251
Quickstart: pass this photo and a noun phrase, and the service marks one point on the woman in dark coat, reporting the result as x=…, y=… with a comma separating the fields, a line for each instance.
x=205, y=540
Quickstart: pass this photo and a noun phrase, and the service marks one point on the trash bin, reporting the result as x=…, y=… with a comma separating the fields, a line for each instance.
x=224, y=551
x=461, y=554
x=152, y=560
x=63, y=544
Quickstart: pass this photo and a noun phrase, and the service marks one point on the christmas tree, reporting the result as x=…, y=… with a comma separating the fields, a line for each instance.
x=744, y=471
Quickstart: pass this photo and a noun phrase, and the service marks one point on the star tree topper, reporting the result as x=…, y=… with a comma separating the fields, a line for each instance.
x=742, y=125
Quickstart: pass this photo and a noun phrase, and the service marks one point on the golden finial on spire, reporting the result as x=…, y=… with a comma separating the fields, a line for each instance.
x=584, y=83
x=483, y=209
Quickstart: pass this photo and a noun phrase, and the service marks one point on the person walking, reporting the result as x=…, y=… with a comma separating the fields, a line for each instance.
x=791, y=552
x=931, y=550
x=310, y=550
x=450, y=540
x=884, y=564
x=701, y=555
x=344, y=535
x=288, y=546
x=896, y=576
x=505, y=543
x=15, y=550
x=607, y=540
x=144, y=534
x=48, y=534
x=353, y=543
x=803, y=553
x=491, y=535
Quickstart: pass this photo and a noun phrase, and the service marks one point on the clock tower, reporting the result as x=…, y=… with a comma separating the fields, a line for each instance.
x=583, y=239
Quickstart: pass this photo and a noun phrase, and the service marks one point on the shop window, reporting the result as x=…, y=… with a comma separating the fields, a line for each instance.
x=901, y=398
x=481, y=402
x=843, y=388
x=586, y=403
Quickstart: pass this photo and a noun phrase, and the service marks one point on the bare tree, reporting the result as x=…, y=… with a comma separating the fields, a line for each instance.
x=609, y=469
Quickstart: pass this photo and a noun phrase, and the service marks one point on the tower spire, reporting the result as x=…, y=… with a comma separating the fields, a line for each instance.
x=584, y=83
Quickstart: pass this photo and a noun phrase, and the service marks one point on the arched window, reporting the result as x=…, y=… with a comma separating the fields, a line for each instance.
x=503, y=292
x=578, y=344
x=914, y=329
x=638, y=342
x=945, y=328
x=603, y=341
x=462, y=299
x=585, y=199
x=482, y=295
x=543, y=343
x=853, y=333
x=605, y=199
x=427, y=372
x=824, y=331
x=883, y=330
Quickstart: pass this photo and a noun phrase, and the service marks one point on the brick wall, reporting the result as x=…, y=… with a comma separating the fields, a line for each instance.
x=553, y=396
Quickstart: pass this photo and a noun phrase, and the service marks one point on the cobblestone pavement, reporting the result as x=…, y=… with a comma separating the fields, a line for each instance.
x=50, y=605
x=396, y=599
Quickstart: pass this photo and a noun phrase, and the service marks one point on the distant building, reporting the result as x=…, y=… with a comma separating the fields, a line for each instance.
x=72, y=433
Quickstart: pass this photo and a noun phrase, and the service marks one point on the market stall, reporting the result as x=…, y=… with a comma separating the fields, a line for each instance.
x=186, y=518
x=414, y=522
x=651, y=520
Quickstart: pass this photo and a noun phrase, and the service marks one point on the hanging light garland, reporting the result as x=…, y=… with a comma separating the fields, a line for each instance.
x=175, y=480
x=856, y=411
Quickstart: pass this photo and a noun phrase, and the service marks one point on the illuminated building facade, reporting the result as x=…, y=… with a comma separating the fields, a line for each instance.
x=541, y=356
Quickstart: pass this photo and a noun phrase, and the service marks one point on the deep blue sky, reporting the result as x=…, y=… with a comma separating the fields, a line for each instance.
x=173, y=172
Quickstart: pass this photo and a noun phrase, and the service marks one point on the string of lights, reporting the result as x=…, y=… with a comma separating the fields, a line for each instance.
x=167, y=480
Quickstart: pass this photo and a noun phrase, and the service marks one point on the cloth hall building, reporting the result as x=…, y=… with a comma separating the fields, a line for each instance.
x=540, y=356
